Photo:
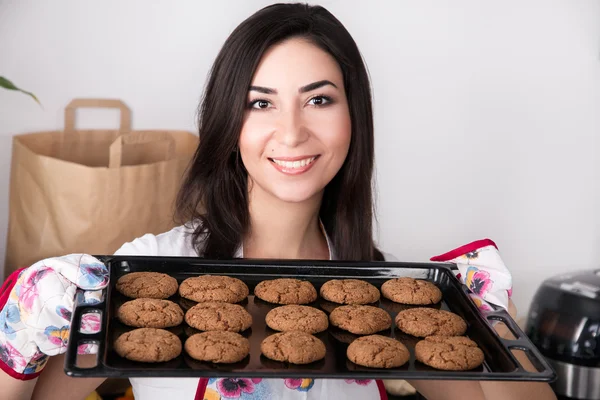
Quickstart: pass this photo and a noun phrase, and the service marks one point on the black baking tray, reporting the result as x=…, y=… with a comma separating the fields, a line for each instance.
x=499, y=364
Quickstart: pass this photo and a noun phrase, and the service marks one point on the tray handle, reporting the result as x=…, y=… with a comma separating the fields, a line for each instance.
x=521, y=342
x=77, y=337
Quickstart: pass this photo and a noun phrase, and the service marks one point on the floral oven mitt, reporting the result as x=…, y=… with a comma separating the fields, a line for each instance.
x=482, y=270
x=36, y=304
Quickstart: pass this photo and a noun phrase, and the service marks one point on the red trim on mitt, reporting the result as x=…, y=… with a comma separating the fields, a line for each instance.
x=467, y=248
x=17, y=375
x=7, y=286
x=201, y=389
x=382, y=392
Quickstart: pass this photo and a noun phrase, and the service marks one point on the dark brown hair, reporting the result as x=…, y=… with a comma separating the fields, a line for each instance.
x=215, y=194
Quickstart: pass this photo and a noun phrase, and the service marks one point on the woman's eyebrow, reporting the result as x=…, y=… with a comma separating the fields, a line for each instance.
x=303, y=89
x=262, y=89
x=315, y=85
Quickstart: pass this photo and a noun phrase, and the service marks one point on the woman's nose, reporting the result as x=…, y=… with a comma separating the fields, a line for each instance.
x=291, y=129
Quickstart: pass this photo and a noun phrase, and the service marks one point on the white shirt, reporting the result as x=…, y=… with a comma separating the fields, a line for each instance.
x=178, y=243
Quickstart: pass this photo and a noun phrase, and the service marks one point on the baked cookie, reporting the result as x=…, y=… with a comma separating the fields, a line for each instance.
x=149, y=345
x=453, y=353
x=218, y=316
x=286, y=291
x=153, y=285
x=217, y=347
x=349, y=291
x=411, y=291
x=377, y=351
x=361, y=320
x=297, y=318
x=424, y=321
x=150, y=313
x=213, y=288
x=294, y=347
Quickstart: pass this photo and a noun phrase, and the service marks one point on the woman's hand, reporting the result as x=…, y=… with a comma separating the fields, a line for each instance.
x=482, y=270
x=37, y=303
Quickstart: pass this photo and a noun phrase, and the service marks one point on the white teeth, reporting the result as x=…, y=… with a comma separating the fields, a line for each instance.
x=294, y=164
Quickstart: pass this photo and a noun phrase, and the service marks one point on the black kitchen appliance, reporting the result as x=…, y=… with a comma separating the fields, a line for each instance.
x=564, y=324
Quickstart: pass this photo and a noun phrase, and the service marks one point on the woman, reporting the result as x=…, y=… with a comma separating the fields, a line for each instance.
x=283, y=170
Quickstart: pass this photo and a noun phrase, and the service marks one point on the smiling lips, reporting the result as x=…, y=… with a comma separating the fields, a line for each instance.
x=293, y=166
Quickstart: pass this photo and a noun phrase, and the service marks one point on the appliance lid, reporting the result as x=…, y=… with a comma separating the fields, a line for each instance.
x=580, y=283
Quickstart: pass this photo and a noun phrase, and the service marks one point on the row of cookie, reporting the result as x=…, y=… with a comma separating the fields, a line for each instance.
x=151, y=345
x=357, y=319
x=349, y=291
x=374, y=351
x=218, y=316
x=278, y=291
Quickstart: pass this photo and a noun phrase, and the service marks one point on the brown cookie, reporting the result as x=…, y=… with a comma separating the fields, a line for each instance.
x=361, y=320
x=217, y=347
x=150, y=313
x=453, y=353
x=294, y=347
x=349, y=291
x=286, y=291
x=377, y=351
x=425, y=321
x=153, y=285
x=149, y=345
x=218, y=316
x=297, y=318
x=411, y=291
x=213, y=288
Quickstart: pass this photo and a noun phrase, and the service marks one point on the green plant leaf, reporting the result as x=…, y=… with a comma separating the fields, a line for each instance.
x=6, y=84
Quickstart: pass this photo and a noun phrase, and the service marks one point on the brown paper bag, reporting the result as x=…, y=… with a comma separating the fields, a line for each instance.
x=90, y=191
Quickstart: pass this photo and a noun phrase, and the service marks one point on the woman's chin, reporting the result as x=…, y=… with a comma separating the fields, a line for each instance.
x=297, y=196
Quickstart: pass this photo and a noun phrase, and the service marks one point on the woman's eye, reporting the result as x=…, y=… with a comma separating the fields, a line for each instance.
x=319, y=101
x=260, y=104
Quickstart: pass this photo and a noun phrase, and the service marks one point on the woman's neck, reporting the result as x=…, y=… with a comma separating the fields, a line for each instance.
x=284, y=230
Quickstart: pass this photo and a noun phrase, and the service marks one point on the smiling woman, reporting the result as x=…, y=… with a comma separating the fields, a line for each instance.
x=285, y=124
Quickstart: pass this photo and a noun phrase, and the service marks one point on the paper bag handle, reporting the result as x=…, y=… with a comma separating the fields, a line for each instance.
x=96, y=103
x=162, y=147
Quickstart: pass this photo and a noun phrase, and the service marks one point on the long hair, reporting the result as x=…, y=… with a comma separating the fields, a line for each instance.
x=214, y=193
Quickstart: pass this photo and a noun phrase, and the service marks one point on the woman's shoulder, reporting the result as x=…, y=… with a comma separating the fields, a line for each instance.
x=176, y=242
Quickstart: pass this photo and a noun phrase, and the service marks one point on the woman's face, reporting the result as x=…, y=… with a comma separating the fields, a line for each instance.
x=296, y=130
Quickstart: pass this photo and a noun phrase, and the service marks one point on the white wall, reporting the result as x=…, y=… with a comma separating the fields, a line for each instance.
x=487, y=113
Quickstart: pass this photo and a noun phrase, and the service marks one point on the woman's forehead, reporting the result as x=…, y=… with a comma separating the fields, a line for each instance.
x=295, y=63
